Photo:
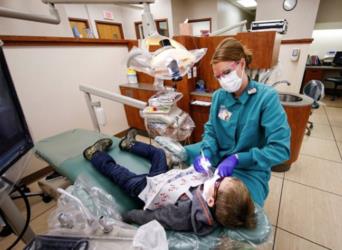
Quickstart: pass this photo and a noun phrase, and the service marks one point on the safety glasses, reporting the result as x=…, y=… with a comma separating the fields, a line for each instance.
x=231, y=68
x=216, y=187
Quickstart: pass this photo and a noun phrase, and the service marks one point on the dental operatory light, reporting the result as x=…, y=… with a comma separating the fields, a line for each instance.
x=170, y=62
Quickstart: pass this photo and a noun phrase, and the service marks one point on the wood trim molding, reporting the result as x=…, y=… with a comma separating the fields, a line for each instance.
x=207, y=19
x=59, y=41
x=297, y=41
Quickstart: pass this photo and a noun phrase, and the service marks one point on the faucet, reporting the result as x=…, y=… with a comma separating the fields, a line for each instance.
x=280, y=82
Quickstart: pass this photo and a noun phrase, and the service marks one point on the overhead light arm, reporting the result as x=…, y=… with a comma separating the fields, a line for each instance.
x=98, y=1
x=54, y=17
x=226, y=29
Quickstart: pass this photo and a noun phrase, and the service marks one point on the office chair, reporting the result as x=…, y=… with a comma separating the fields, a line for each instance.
x=315, y=90
x=337, y=82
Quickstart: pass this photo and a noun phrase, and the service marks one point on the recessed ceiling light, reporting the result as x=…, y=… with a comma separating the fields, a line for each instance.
x=247, y=3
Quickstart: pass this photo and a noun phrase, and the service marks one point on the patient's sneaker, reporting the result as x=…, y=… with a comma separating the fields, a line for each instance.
x=128, y=141
x=100, y=145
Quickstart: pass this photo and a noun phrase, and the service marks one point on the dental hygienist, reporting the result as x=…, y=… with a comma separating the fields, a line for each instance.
x=247, y=132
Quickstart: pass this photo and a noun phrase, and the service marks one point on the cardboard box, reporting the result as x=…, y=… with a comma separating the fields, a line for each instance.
x=185, y=29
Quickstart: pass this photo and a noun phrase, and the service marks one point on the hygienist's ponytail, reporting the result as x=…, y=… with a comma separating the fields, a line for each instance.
x=231, y=49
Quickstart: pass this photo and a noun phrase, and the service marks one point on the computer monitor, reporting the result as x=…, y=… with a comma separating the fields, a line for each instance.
x=15, y=138
x=338, y=58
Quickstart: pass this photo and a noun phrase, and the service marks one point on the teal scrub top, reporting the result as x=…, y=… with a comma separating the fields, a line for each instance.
x=253, y=126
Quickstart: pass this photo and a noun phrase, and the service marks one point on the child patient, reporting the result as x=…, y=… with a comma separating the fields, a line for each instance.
x=179, y=199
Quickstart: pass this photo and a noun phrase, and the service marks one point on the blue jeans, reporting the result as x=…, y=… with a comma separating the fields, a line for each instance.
x=129, y=182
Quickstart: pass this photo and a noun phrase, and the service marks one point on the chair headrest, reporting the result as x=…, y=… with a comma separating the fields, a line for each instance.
x=314, y=89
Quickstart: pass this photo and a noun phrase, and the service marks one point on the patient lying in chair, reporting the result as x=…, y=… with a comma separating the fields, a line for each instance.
x=179, y=199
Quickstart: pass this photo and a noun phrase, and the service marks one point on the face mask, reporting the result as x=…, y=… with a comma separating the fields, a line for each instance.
x=231, y=82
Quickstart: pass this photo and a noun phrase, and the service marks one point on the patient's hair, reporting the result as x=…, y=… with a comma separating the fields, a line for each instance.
x=234, y=206
x=231, y=49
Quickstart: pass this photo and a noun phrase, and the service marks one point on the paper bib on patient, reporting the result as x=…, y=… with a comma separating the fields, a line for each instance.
x=165, y=189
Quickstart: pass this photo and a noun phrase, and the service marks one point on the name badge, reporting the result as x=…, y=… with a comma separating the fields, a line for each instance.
x=251, y=91
x=224, y=113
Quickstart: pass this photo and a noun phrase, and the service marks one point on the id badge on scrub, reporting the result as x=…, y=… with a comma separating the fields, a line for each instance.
x=224, y=113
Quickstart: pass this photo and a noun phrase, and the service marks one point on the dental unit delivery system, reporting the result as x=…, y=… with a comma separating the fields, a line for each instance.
x=161, y=115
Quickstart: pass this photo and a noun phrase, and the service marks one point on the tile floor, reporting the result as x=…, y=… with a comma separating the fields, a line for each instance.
x=304, y=205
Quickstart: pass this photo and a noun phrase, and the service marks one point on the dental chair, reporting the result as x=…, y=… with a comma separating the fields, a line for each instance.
x=64, y=153
x=315, y=90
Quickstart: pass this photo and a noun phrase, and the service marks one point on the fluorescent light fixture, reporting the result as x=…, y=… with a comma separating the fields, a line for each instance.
x=247, y=3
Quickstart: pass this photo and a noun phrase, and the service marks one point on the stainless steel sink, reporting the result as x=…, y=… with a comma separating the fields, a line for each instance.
x=289, y=98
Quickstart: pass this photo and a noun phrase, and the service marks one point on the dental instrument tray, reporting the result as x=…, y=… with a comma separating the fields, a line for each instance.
x=165, y=98
x=156, y=110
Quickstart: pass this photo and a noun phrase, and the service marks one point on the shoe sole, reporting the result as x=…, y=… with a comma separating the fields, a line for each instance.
x=101, y=144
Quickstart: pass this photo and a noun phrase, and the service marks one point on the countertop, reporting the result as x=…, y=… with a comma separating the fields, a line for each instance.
x=143, y=86
x=324, y=67
x=198, y=93
x=306, y=101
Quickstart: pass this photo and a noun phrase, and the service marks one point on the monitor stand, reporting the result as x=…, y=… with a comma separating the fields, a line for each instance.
x=12, y=214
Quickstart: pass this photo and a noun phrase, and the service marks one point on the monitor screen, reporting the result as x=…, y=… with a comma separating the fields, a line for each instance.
x=15, y=139
x=338, y=58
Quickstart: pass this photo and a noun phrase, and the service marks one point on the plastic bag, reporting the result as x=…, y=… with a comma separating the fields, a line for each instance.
x=227, y=239
x=180, y=130
x=163, y=117
x=85, y=209
x=157, y=64
x=172, y=146
x=151, y=236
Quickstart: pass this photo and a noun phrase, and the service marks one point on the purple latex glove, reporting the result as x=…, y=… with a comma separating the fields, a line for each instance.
x=201, y=164
x=226, y=167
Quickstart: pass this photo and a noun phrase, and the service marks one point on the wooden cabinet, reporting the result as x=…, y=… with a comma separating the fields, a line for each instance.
x=312, y=74
x=297, y=118
x=200, y=115
x=264, y=46
x=133, y=114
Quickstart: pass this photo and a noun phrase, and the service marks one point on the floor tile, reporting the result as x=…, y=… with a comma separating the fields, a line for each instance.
x=278, y=174
x=322, y=131
x=5, y=243
x=311, y=214
x=319, y=173
x=321, y=148
x=339, y=144
x=37, y=205
x=337, y=133
x=319, y=119
x=319, y=111
x=287, y=241
x=329, y=103
x=39, y=226
x=334, y=116
x=273, y=199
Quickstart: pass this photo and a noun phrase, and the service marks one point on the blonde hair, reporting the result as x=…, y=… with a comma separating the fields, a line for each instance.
x=234, y=206
x=231, y=49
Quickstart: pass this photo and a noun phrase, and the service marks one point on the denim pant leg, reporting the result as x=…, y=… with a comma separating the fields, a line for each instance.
x=130, y=182
x=156, y=156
